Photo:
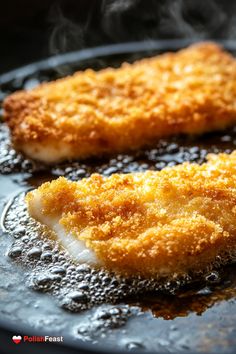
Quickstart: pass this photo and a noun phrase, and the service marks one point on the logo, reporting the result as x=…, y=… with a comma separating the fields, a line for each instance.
x=17, y=339
x=36, y=339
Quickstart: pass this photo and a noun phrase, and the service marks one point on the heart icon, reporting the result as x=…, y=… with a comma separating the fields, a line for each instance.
x=17, y=339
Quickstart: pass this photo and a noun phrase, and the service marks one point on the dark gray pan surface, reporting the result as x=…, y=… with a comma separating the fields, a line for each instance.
x=200, y=318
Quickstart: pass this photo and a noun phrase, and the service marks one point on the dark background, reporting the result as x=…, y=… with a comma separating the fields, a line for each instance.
x=34, y=29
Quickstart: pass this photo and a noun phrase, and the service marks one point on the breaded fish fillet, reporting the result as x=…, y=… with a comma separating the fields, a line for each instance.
x=178, y=220
x=116, y=110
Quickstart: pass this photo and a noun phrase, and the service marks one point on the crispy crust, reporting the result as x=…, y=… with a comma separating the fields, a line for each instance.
x=154, y=223
x=114, y=110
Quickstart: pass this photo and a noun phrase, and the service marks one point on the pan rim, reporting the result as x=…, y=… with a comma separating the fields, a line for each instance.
x=107, y=50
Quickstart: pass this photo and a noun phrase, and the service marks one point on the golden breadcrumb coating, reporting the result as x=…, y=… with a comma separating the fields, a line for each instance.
x=116, y=110
x=177, y=220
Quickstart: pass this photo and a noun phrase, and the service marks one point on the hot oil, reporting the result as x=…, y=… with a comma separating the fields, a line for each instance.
x=77, y=288
x=216, y=286
x=184, y=316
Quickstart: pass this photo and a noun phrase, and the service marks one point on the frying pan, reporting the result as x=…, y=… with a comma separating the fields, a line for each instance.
x=199, y=318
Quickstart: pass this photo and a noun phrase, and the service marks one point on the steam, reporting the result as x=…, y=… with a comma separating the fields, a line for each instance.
x=133, y=19
x=231, y=33
x=66, y=35
x=109, y=21
x=193, y=19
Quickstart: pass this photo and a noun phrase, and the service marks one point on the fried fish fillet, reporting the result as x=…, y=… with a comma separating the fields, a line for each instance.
x=156, y=223
x=116, y=110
